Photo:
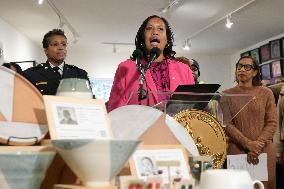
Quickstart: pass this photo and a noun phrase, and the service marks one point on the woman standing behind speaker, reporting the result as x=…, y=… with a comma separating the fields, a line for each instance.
x=164, y=74
x=251, y=130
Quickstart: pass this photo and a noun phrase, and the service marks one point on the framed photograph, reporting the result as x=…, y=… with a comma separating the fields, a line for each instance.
x=255, y=54
x=167, y=161
x=275, y=49
x=101, y=87
x=266, y=71
x=265, y=52
x=276, y=69
x=245, y=54
x=75, y=118
x=26, y=64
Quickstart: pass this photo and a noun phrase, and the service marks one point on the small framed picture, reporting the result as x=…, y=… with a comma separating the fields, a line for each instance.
x=75, y=118
x=167, y=161
x=265, y=52
x=275, y=49
x=255, y=54
x=266, y=71
x=245, y=54
x=276, y=69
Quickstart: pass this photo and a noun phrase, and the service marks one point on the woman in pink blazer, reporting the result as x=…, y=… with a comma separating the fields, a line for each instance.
x=163, y=75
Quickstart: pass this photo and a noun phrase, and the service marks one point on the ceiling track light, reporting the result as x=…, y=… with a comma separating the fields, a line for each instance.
x=114, y=48
x=220, y=19
x=229, y=23
x=63, y=21
x=40, y=2
x=187, y=45
x=115, y=44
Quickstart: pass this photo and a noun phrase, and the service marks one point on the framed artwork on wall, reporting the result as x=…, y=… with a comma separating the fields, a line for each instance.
x=276, y=69
x=275, y=49
x=265, y=52
x=266, y=71
x=255, y=54
x=245, y=54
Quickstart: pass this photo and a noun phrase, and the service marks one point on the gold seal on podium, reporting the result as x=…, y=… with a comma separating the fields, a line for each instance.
x=207, y=133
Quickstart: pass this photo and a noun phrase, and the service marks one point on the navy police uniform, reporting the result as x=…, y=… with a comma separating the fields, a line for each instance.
x=46, y=80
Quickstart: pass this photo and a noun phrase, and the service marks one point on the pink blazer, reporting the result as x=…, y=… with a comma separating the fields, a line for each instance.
x=126, y=83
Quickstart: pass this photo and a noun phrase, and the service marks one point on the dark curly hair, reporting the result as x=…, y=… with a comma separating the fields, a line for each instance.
x=140, y=40
x=256, y=81
x=46, y=41
x=16, y=66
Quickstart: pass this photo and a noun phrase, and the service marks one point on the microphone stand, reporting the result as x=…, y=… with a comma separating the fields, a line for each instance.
x=142, y=71
x=142, y=79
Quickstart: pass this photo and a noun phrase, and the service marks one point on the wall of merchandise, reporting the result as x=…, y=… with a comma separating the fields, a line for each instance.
x=270, y=57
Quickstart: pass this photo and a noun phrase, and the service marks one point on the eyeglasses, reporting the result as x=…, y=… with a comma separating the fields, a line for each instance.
x=247, y=67
x=58, y=44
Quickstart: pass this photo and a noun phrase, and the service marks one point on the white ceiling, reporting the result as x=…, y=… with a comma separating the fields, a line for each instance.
x=98, y=21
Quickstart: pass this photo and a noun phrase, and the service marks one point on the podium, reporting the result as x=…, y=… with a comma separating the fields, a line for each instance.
x=203, y=116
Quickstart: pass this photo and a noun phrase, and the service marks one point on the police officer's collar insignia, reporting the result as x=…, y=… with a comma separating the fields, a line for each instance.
x=41, y=83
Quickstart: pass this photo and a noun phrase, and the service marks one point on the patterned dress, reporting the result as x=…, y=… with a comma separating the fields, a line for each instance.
x=160, y=74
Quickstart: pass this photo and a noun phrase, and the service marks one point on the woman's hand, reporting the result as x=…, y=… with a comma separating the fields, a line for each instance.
x=252, y=158
x=255, y=147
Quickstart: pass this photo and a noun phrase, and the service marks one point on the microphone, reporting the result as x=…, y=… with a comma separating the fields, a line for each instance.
x=154, y=54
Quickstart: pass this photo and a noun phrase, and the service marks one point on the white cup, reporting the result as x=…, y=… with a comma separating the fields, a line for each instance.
x=227, y=179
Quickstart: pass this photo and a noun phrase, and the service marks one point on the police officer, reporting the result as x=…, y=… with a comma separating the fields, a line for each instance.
x=46, y=76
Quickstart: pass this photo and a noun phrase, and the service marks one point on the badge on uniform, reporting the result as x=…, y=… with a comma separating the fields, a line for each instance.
x=42, y=83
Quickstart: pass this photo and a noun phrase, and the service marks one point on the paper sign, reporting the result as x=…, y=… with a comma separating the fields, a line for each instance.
x=73, y=118
x=257, y=172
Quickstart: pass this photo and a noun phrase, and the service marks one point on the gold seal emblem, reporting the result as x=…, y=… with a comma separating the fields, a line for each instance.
x=207, y=133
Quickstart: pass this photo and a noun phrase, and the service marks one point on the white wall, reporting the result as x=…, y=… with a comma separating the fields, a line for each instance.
x=214, y=68
x=97, y=64
x=16, y=46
